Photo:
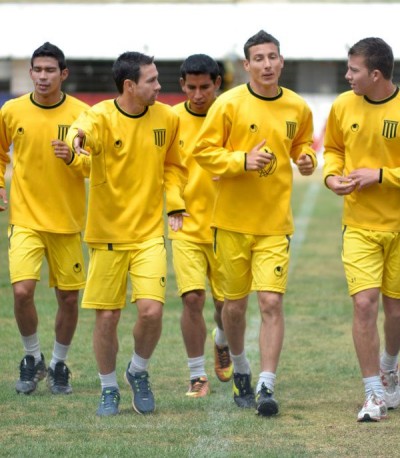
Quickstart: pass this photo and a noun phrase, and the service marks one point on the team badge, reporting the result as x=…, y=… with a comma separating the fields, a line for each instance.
x=291, y=129
x=159, y=136
x=62, y=132
x=389, y=128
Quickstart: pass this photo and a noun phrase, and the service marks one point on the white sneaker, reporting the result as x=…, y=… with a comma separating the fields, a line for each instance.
x=390, y=381
x=374, y=409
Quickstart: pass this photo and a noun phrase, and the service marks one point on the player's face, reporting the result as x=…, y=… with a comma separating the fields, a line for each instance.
x=264, y=67
x=360, y=78
x=47, y=78
x=148, y=87
x=200, y=91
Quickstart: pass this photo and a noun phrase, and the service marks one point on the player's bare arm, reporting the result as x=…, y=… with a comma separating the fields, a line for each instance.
x=258, y=158
x=364, y=177
x=305, y=164
x=3, y=198
x=340, y=185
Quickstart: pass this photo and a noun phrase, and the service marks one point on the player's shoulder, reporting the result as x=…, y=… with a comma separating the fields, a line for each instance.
x=163, y=109
x=16, y=101
x=179, y=108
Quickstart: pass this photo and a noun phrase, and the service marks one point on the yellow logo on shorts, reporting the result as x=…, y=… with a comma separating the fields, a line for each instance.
x=77, y=267
x=278, y=271
x=162, y=281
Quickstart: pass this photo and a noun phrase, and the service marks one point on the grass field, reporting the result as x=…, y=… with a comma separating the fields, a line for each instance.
x=319, y=387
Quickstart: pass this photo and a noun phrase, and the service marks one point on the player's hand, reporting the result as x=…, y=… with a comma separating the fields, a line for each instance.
x=175, y=221
x=340, y=185
x=258, y=158
x=305, y=164
x=3, y=197
x=62, y=151
x=78, y=142
x=364, y=177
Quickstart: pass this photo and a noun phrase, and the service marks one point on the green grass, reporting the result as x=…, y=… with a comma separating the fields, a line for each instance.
x=318, y=386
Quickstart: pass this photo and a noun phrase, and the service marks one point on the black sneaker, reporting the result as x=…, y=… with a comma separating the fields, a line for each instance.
x=109, y=402
x=30, y=374
x=58, y=380
x=266, y=404
x=143, y=399
x=243, y=393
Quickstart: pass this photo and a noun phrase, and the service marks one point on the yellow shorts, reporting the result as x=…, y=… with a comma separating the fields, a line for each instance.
x=371, y=259
x=193, y=263
x=146, y=265
x=27, y=248
x=252, y=262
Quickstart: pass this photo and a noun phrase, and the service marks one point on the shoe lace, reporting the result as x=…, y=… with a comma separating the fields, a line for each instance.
x=243, y=384
x=198, y=384
x=27, y=371
x=142, y=385
x=223, y=357
x=109, y=397
x=61, y=375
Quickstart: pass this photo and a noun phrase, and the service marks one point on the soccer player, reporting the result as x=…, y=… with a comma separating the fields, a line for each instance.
x=47, y=212
x=134, y=145
x=193, y=256
x=250, y=137
x=362, y=163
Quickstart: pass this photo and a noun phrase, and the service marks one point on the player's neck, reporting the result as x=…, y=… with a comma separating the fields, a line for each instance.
x=48, y=99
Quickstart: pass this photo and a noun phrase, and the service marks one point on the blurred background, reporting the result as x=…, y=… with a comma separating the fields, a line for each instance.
x=314, y=37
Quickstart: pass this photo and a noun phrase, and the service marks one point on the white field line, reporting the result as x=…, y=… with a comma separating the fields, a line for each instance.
x=301, y=223
x=302, y=220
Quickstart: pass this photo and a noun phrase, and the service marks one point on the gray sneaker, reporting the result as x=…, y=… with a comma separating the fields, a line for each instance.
x=266, y=403
x=30, y=374
x=243, y=393
x=109, y=402
x=143, y=399
x=58, y=380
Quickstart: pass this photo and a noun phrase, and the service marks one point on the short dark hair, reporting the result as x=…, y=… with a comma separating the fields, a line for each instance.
x=49, y=50
x=377, y=53
x=127, y=67
x=260, y=38
x=200, y=64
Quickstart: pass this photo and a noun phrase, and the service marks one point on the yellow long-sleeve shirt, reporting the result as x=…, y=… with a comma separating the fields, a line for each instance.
x=200, y=190
x=134, y=160
x=46, y=194
x=365, y=134
x=254, y=202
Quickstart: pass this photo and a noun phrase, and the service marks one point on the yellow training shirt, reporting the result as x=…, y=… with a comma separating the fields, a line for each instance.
x=46, y=194
x=200, y=190
x=255, y=203
x=361, y=133
x=135, y=158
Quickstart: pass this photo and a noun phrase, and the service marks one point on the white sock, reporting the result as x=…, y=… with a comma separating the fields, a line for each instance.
x=220, y=338
x=108, y=380
x=241, y=364
x=138, y=364
x=196, y=367
x=373, y=385
x=268, y=378
x=32, y=346
x=60, y=352
x=388, y=362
